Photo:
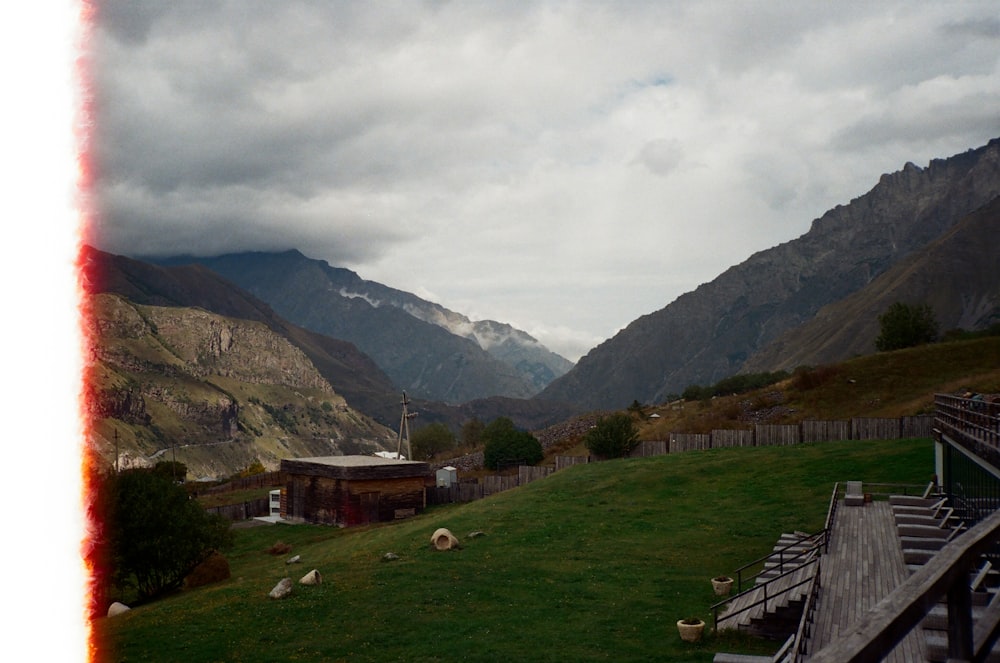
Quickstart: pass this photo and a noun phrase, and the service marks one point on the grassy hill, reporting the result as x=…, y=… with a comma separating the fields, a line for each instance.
x=596, y=562
x=887, y=384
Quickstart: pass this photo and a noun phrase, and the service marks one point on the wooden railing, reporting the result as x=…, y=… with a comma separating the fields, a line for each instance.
x=817, y=544
x=767, y=590
x=946, y=574
x=975, y=419
x=975, y=424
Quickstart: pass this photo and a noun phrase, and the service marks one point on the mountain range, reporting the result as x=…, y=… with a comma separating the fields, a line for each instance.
x=431, y=352
x=920, y=235
x=181, y=291
x=714, y=331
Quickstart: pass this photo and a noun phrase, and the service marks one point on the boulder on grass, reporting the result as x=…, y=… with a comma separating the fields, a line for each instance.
x=390, y=557
x=311, y=578
x=443, y=539
x=282, y=589
x=294, y=559
x=117, y=608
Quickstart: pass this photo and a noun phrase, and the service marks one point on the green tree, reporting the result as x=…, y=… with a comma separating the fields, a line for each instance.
x=172, y=469
x=505, y=444
x=431, y=440
x=472, y=432
x=150, y=534
x=613, y=436
x=905, y=325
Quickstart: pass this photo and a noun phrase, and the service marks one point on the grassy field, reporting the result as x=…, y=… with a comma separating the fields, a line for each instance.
x=595, y=563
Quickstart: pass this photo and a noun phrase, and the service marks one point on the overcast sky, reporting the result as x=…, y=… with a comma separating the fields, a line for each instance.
x=565, y=167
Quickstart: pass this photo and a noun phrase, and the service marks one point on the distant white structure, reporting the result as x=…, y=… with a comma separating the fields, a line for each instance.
x=446, y=476
x=274, y=509
x=391, y=455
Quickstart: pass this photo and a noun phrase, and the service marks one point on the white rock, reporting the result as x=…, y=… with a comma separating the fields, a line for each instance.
x=311, y=578
x=117, y=609
x=294, y=560
x=282, y=589
x=443, y=539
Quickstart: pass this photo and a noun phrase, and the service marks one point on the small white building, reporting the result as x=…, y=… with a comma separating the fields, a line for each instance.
x=446, y=476
x=274, y=506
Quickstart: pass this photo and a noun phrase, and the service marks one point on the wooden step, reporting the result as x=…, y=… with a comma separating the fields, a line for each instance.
x=913, y=500
x=921, y=543
x=924, y=531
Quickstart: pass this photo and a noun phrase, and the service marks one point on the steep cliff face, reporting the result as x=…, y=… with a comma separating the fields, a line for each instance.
x=216, y=392
x=709, y=333
x=957, y=275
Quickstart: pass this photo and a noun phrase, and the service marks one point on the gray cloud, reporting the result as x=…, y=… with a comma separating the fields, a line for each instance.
x=507, y=157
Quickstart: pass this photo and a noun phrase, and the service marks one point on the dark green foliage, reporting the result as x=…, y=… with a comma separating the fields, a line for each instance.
x=174, y=470
x=734, y=384
x=472, y=432
x=430, y=440
x=637, y=409
x=965, y=334
x=905, y=326
x=151, y=535
x=506, y=445
x=612, y=437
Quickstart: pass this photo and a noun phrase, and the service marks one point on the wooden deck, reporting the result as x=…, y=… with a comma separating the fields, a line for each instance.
x=864, y=564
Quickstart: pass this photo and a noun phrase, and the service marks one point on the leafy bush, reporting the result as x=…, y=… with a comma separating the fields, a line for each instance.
x=430, y=440
x=807, y=377
x=213, y=569
x=612, y=437
x=151, y=535
x=472, y=432
x=506, y=445
x=905, y=325
x=734, y=384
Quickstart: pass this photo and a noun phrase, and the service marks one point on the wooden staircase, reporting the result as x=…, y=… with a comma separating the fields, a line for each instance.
x=771, y=608
x=925, y=526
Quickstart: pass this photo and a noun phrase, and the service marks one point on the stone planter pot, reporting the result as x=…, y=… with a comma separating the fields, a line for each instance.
x=722, y=585
x=690, y=629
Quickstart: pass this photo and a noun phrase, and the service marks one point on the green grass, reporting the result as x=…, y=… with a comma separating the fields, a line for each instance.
x=595, y=563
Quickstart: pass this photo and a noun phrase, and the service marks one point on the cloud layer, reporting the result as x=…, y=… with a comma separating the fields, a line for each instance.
x=564, y=167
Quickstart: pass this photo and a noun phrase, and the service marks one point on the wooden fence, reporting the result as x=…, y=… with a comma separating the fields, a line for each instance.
x=770, y=435
x=262, y=480
x=244, y=510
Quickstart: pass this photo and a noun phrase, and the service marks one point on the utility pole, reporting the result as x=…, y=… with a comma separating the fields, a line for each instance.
x=404, y=425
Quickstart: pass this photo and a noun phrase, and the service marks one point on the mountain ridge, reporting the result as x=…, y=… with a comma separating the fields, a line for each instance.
x=954, y=263
x=709, y=333
x=426, y=349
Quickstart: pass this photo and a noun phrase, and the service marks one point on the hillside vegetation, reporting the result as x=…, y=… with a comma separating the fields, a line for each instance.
x=887, y=384
x=596, y=562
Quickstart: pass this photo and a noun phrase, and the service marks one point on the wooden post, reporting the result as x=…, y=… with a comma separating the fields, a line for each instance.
x=960, y=646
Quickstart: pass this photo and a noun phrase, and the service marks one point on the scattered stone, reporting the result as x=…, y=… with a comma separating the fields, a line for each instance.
x=390, y=557
x=117, y=608
x=311, y=578
x=294, y=560
x=476, y=534
x=443, y=539
x=282, y=589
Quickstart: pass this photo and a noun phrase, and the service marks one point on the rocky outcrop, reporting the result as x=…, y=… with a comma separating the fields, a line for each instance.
x=217, y=392
x=708, y=334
